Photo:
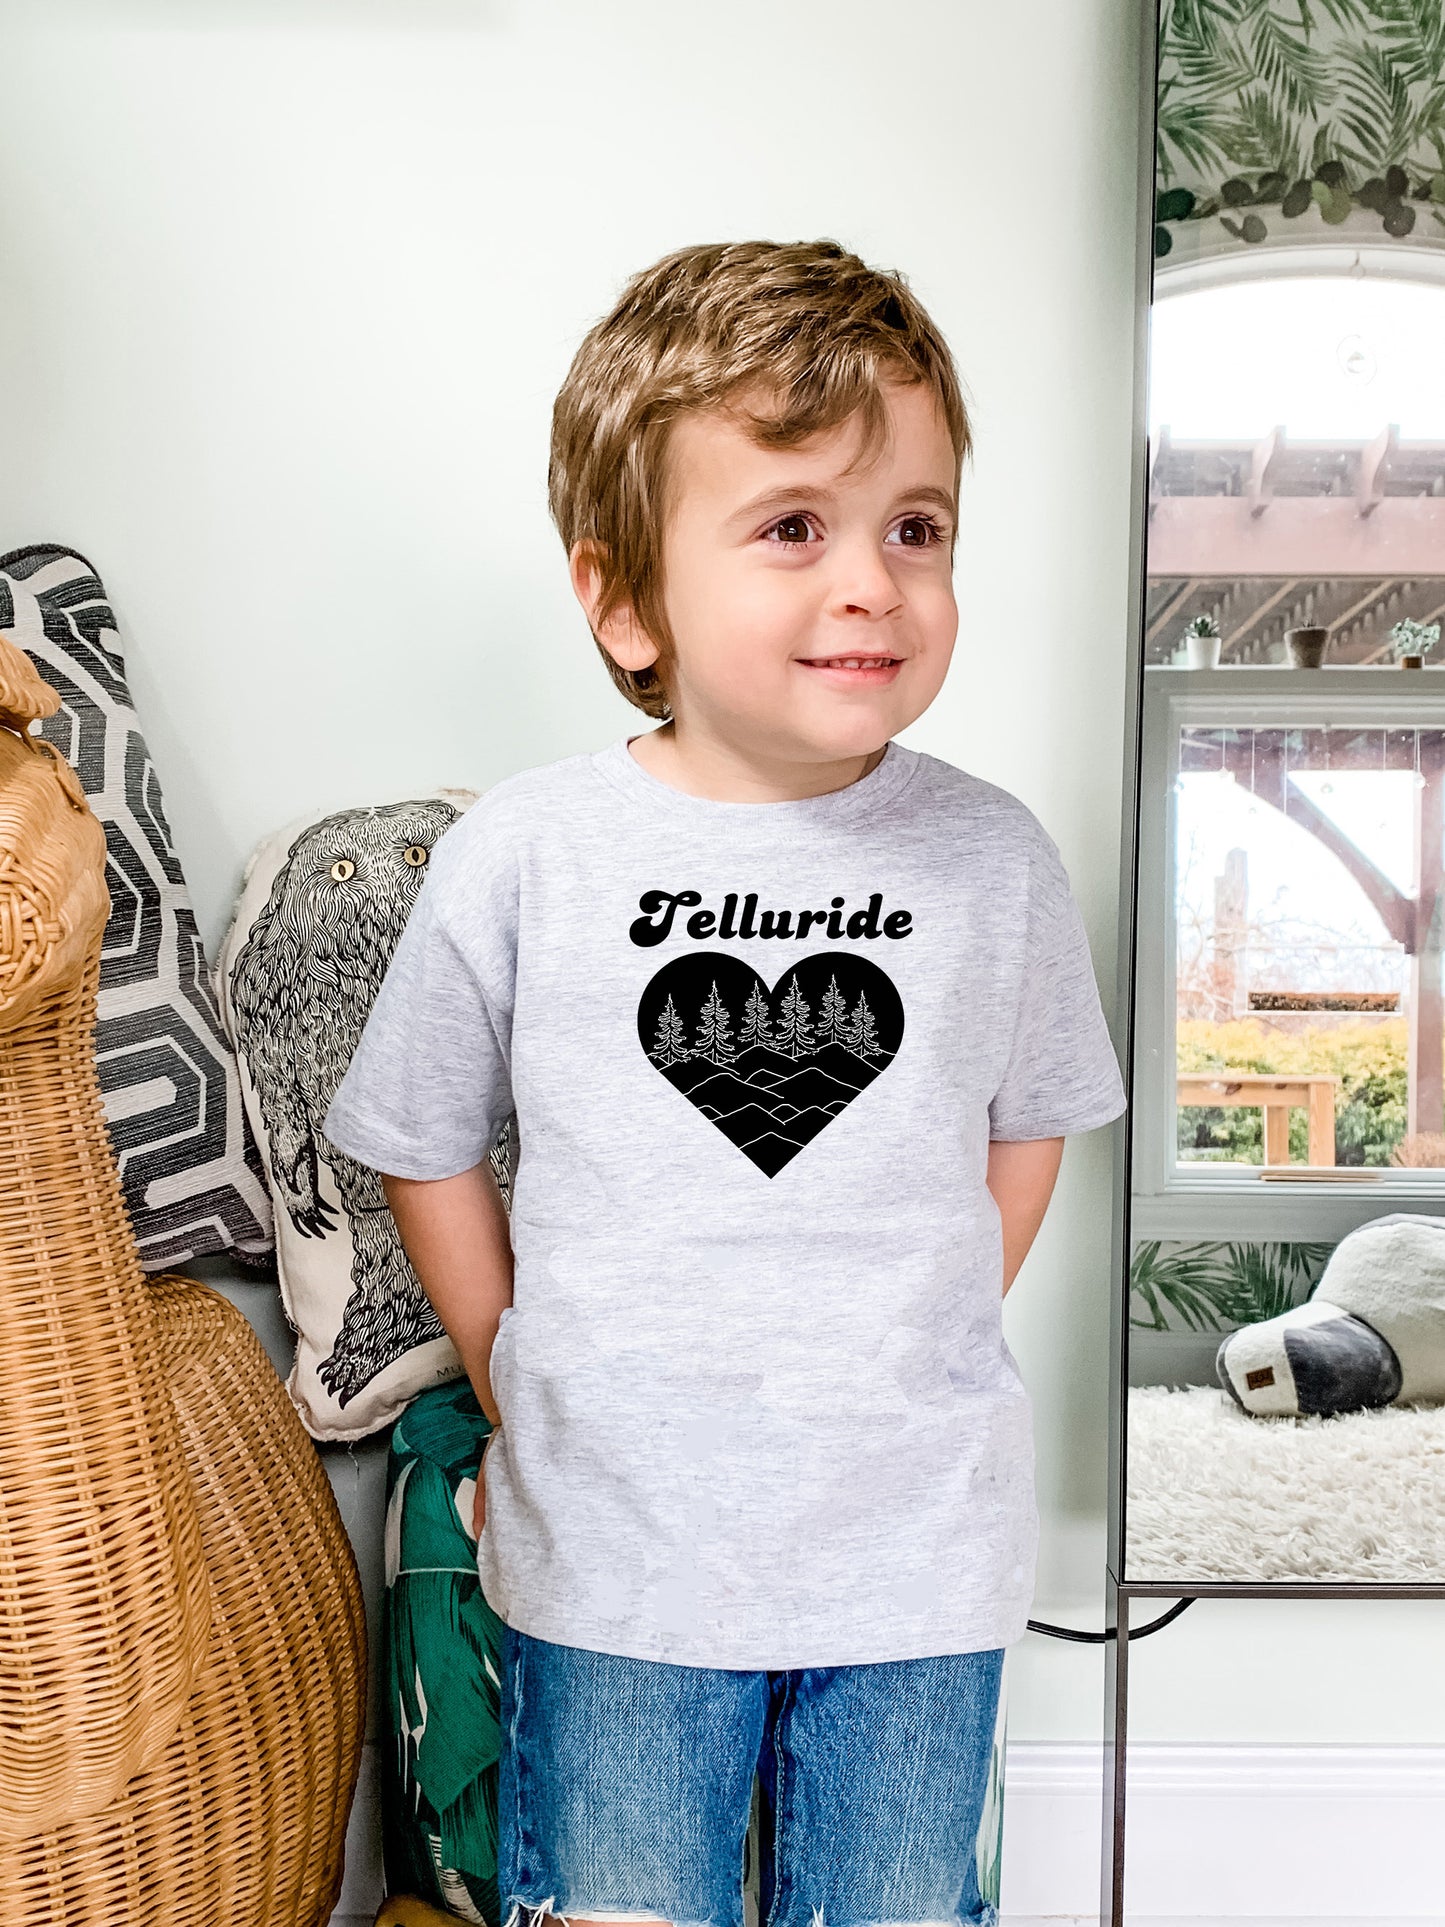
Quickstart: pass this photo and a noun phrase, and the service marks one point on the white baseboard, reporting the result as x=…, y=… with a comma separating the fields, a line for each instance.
x=1292, y=1835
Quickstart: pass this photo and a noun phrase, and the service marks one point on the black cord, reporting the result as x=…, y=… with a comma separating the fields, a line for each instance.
x=1102, y=1639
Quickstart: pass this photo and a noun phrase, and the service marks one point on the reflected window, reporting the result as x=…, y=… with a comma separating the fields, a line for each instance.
x=1307, y=985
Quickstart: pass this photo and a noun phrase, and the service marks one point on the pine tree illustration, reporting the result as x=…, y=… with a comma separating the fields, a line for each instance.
x=755, y=1021
x=862, y=1037
x=832, y=1016
x=671, y=1045
x=795, y=1025
x=715, y=1032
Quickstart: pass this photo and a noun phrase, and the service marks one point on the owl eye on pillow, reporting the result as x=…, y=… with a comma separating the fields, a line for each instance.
x=319, y=917
x=1371, y=1333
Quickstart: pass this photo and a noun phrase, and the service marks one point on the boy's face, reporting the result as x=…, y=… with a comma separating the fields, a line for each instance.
x=811, y=604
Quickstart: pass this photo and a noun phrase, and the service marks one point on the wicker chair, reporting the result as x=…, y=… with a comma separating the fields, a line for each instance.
x=182, y=1644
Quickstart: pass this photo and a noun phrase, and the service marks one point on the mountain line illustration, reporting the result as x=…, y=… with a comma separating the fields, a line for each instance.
x=770, y=1069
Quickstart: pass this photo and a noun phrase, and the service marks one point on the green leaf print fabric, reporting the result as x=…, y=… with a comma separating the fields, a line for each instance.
x=443, y=1664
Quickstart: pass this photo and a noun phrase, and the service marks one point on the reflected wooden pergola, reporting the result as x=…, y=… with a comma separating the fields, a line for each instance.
x=1268, y=533
x=1265, y=760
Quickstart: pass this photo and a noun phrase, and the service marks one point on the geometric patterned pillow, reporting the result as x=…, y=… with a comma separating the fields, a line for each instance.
x=191, y=1175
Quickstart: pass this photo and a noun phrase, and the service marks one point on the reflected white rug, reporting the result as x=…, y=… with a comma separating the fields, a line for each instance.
x=1215, y=1495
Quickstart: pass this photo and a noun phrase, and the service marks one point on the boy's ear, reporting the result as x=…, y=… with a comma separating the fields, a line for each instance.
x=619, y=632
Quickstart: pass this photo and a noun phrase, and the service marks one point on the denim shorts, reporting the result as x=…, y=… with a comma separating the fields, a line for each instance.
x=625, y=1788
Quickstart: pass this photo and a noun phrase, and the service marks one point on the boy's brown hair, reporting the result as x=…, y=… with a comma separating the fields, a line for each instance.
x=805, y=327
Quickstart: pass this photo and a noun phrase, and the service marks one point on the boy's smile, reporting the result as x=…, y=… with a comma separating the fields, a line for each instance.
x=854, y=672
x=809, y=593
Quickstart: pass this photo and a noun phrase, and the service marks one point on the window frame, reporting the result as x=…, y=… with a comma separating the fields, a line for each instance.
x=1170, y=1201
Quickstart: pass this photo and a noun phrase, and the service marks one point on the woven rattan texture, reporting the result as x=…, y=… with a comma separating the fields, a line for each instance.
x=182, y=1643
x=242, y=1823
x=105, y=1602
x=24, y=697
x=51, y=890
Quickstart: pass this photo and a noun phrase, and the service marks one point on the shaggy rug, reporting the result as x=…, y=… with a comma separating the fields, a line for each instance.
x=1214, y=1494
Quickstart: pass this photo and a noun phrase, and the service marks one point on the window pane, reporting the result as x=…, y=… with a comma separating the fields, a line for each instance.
x=1308, y=982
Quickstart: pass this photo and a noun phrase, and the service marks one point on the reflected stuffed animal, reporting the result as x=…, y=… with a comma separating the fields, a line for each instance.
x=1371, y=1333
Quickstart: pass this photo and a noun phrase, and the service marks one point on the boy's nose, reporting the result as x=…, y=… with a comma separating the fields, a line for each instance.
x=862, y=583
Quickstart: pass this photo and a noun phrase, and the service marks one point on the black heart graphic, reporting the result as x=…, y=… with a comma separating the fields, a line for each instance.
x=770, y=1068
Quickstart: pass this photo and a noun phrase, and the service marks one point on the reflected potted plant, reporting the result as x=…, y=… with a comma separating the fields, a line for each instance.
x=1304, y=648
x=1411, y=641
x=1202, y=643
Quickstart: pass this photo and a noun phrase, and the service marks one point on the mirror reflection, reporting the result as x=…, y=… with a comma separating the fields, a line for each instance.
x=1286, y=1416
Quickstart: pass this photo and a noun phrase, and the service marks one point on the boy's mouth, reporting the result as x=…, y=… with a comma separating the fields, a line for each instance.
x=854, y=670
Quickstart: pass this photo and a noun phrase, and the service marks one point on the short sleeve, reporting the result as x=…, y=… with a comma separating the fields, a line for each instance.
x=429, y=1084
x=1063, y=1074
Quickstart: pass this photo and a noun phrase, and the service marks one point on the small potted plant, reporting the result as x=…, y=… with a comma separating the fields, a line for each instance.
x=1411, y=641
x=1304, y=648
x=1202, y=643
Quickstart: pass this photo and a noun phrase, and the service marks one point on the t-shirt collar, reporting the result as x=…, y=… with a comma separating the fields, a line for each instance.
x=618, y=766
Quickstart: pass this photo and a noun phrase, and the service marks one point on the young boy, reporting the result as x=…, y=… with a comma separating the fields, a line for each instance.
x=793, y=1021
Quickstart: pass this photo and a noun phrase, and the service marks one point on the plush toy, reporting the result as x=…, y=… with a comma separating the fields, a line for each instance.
x=1372, y=1332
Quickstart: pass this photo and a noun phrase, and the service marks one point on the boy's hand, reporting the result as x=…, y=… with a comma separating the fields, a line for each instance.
x=479, y=1502
x=456, y=1235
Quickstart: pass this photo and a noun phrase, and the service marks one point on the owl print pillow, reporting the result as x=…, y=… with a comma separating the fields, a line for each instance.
x=320, y=910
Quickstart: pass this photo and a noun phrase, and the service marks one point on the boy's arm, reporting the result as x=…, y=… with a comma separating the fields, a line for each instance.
x=456, y=1236
x=1021, y=1177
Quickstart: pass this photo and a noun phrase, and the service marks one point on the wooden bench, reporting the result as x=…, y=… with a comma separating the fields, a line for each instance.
x=1275, y=1095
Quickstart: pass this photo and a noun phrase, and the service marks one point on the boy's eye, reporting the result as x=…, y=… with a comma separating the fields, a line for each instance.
x=918, y=532
x=792, y=530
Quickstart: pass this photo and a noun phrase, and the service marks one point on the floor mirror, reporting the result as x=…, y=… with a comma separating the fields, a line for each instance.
x=1278, y=1358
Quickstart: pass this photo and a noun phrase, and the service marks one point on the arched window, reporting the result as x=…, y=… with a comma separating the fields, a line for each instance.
x=1297, y=452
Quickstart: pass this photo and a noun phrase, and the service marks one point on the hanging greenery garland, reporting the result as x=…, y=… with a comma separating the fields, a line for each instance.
x=1288, y=105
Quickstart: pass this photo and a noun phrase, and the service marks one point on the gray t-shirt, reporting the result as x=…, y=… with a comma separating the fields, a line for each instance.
x=758, y=1407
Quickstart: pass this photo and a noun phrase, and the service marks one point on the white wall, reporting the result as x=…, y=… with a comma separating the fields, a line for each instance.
x=288, y=287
